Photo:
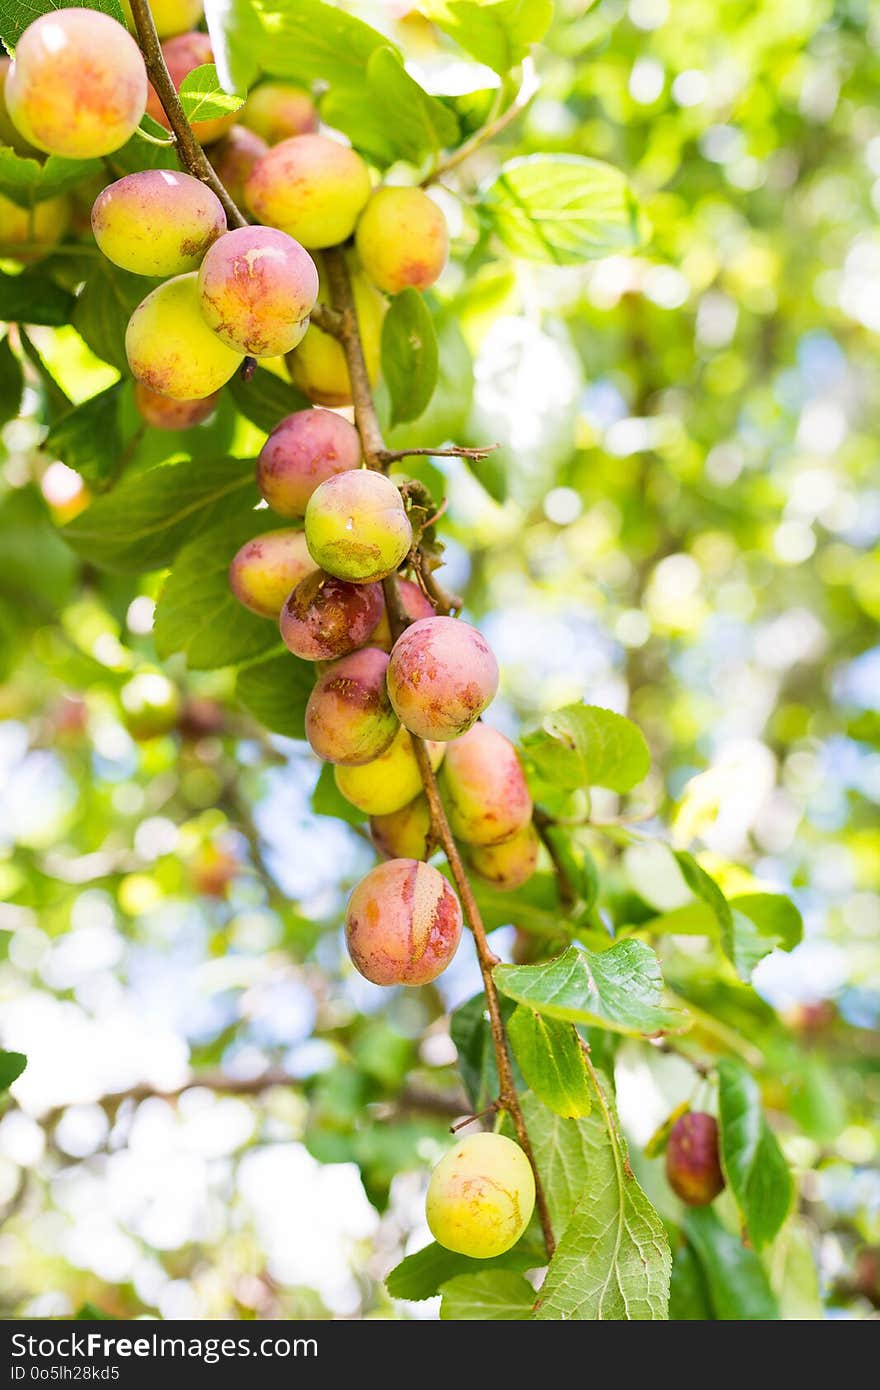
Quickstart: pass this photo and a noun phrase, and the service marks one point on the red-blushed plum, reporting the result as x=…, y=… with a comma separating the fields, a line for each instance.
x=402, y=924
x=510, y=864
x=266, y=569
x=171, y=349
x=234, y=157
x=484, y=787
x=441, y=677
x=257, y=286
x=182, y=54
x=326, y=617
x=78, y=85
x=279, y=110
x=404, y=834
x=402, y=240
x=311, y=187
x=170, y=16
x=28, y=234
x=349, y=719
x=318, y=365
x=391, y=781
x=693, y=1165
x=304, y=450
x=416, y=605
x=357, y=527
x=158, y=222
x=481, y=1196
x=164, y=414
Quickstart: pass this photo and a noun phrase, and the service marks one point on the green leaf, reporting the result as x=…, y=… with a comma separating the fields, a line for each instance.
x=265, y=399
x=422, y=1275
x=12, y=1064
x=104, y=305
x=534, y=908
x=587, y=746
x=143, y=522
x=16, y=15
x=688, y=1295
x=495, y=1295
x=563, y=1151
x=753, y=1163
x=612, y=1260
x=735, y=1281
x=236, y=36
x=327, y=799
x=203, y=98
x=197, y=613
x=498, y=33
x=761, y=923
x=705, y=888
x=552, y=1061
x=389, y=116
x=88, y=438
x=469, y=1030
x=620, y=989
x=562, y=208
x=446, y=415
x=33, y=298
x=11, y=382
x=276, y=692
x=90, y=1312
x=26, y=181
x=409, y=355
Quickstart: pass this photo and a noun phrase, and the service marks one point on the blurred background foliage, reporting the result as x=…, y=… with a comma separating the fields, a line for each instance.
x=682, y=523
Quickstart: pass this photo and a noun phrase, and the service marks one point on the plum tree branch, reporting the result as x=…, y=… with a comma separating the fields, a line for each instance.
x=458, y=451
x=374, y=450
x=493, y=127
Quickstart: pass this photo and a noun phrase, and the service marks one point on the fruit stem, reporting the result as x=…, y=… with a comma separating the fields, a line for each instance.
x=567, y=891
x=374, y=451
x=190, y=152
x=493, y=127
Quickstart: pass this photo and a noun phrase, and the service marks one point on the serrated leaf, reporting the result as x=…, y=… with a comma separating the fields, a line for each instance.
x=421, y=1275
x=753, y=1163
x=16, y=15
x=33, y=298
x=552, y=1062
x=494, y=1295
x=703, y=886
x=327, y=799
x=390, y=116
x=612, y=1260
x=563, y=1152
x=587, y=746
x=620, y=989
x=409, y=355
x=88, y=438
x=144, y=521
x=12, y=1064
x=562, y=208
x=469, y=1030
x=11, y=382
x=734, y=1277
x=265, y=398
x=26, y=181
x=104, y=305
x=498, y=33
x=203, y=98
x=276, y=691
x=197, y=613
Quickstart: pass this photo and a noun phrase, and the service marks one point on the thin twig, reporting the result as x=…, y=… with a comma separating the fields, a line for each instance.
x=493, y=127
x=444, y=602
x=567, y=892
x=453, y=451
x=190, y=152
x=327, y=319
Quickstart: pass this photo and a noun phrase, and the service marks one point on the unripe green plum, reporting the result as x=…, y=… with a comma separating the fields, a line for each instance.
x=157, y=222
x=349, y=719
x=9, y=132
x=304, y=450
x=267, y=568
x=171, y=349
x=279, y=110
x=481, y=1196
x=257, y=286
x=509, y=865
x=234, y=157
x=311, y=187
x=391, y=781
x=27, y=234
x=404, y=834
x=318, y=365
x=182, y=54
x=484, y=787
x=164, y=414
x=441, y=677
x=402, y=924
x=693, y=1164
x=416, y=605
x=357, y=528
x=78, y=85
x=150, y=705
x=326, y=617
x=402, y=240
x=170, y=16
